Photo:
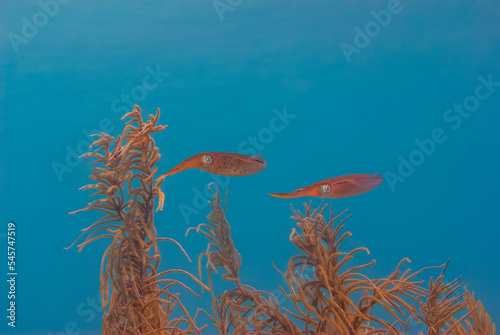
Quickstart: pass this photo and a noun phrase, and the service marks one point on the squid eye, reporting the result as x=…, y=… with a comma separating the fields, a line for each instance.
x=325, y=189
x=206, y=159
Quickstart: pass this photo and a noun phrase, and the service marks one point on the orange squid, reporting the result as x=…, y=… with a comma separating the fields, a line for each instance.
x=222, y=163
x=338, y=187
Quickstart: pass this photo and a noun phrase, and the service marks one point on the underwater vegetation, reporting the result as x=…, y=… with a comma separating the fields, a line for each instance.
x=329, y=295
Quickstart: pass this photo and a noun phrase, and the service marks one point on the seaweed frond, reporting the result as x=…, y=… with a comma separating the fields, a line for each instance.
x=243, y=306
x=132, y=299
x=325, y=300
x=330, y=296
x=475, y=322
x=441, y=304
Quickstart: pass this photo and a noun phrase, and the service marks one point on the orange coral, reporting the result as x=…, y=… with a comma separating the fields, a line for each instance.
x=325, y=302
x=333, y=299
x=132, y=297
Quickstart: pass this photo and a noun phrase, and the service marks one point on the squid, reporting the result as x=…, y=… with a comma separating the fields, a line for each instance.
x=222, y=163
x=338, y=187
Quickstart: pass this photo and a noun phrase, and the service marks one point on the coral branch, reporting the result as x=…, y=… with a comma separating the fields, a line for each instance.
x=132, y=299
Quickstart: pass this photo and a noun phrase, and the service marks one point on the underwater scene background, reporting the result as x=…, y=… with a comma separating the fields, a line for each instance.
x=319, y=88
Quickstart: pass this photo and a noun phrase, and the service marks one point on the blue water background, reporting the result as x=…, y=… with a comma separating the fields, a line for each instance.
x=228, y=77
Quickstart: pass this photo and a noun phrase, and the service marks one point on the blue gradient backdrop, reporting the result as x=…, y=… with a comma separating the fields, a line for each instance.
x=227, y=72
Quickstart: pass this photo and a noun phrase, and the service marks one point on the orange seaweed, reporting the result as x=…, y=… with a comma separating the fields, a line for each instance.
x=329, y=295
